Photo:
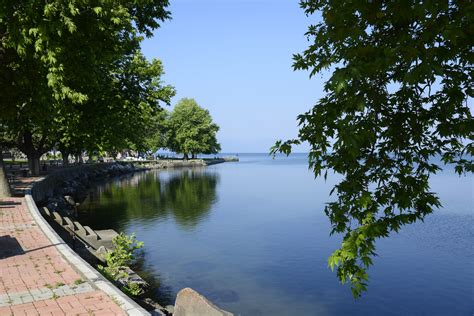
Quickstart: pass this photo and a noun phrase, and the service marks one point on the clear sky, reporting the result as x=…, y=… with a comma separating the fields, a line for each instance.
x=234, y=57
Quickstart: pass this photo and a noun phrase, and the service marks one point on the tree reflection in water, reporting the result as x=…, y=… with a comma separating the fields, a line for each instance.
x=187, y=195
x=145, y=198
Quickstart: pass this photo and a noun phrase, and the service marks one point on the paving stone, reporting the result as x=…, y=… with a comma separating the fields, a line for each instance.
x=27, y=299
x=31, y=261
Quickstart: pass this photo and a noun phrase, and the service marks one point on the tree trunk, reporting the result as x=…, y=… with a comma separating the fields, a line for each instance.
x=65, y=156
x=4, y=186
x=34, y=163
x=33, y=152
x=186, y=157
x=78, y=159
x=193, y=156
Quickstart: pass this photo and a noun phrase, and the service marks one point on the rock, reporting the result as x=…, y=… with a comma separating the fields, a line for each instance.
x=191, y=303
x=71, y=187
x=70, y=200
x=154, y=308
x=170, y=309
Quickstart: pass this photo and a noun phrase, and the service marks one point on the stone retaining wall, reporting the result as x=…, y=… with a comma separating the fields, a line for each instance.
x=57, y=179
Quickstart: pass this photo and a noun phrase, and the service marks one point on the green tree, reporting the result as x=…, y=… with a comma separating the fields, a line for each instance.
x=396, y=100
x=133, y=101
x=65, y=65
x=156, y=132
x=190, y=130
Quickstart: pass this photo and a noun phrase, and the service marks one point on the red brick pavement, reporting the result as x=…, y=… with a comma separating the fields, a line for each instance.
x=34, y=277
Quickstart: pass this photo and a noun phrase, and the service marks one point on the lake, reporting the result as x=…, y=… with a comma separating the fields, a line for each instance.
x=253, y=238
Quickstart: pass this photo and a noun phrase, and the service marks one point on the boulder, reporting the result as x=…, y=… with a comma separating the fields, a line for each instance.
x=191, y=303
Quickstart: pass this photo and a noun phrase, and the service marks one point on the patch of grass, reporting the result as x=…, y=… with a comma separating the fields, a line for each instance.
x=55, y=296
x=58, y=284
x=79, y=281
x=49, y=286
x=116, y=301
x=15, y=162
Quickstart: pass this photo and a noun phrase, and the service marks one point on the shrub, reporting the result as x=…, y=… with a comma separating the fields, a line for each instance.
x=119, y=259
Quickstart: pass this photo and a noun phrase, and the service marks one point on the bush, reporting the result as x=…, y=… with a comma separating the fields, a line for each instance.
x=119, y=259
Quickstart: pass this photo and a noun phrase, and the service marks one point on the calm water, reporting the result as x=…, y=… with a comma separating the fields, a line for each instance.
x=252, y=237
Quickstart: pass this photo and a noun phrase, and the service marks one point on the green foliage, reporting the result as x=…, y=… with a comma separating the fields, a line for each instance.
x=119, y=259
x=190, y=129
x=395, y=102
x=72, y=74
x=122, y=255
x=79, y=281
x=156, y=132
x=133, y=289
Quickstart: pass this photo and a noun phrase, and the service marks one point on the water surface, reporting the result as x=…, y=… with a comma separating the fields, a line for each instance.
x=253, y=238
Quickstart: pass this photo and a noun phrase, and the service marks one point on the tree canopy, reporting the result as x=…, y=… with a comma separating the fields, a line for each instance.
x=397, y=99
x=190, y=130
x=72, y=74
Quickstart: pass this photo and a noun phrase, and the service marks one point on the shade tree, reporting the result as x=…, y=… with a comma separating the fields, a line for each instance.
x=60, y=62
x=396, y=101
x=190, y=130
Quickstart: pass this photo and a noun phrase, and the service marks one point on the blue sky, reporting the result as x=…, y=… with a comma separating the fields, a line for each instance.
x=234, y=57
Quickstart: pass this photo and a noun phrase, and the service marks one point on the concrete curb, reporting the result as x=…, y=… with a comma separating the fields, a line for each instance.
x=126, y=303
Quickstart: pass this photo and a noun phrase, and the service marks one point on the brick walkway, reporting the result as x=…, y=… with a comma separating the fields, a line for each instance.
x=34, y=277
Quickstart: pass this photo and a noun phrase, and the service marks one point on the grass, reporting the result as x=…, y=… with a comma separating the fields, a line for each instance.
x=115, y=300
x=79, y=281
x=16, y=162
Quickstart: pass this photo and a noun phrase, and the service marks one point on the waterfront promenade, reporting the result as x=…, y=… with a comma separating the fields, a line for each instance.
x=35, y=279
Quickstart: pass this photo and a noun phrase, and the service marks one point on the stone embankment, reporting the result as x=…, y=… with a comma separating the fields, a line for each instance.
x=60, y=192
x=178, y=163
x=62, y=189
